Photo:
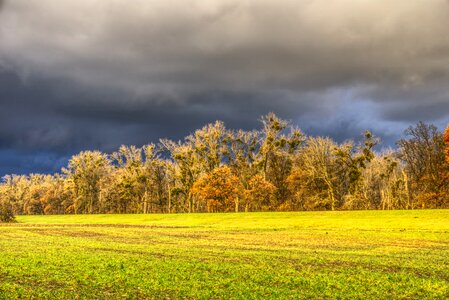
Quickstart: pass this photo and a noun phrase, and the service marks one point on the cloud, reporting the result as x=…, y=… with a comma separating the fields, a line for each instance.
x=154, y=46
x=96, y=74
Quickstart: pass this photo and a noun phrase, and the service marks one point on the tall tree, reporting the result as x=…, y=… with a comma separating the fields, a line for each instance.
x=210, y=145
x=353, y=159
x=315, y=175
x=187, y=169
x=279, y=144
x=383, y=185
x=423, y=153
x=125, y=189
x=85, y=173
x=243, y=154
x=157, y=180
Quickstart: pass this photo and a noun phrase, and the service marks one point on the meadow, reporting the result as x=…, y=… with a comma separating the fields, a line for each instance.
x=306, y=255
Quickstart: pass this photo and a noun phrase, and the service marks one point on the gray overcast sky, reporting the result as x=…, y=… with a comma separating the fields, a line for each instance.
x=86, y=74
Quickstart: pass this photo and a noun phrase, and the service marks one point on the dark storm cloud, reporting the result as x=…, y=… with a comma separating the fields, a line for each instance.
x=18, y=162
x=96, y=74
x=150, y=46
x=51, y=115
x=427, y=102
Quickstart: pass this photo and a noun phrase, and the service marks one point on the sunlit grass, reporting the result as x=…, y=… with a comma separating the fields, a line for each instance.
x=358, y=254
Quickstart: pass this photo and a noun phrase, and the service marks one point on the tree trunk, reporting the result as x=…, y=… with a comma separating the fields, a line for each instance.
x=145, y=201
x=407, y=192
x=189, y=200
x=169, y=199
x=91, y=204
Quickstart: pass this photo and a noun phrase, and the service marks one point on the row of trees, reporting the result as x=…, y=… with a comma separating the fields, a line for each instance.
x=214, y=169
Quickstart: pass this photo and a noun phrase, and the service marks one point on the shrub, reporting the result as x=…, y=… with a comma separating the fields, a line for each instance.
x=6, y=212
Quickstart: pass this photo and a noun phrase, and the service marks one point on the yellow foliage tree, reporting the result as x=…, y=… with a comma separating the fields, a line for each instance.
x=260, y=195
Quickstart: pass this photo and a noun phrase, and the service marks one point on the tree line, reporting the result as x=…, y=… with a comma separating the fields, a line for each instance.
x=276, y=168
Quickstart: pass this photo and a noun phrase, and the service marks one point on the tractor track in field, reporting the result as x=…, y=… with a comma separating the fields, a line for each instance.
x=91, y=225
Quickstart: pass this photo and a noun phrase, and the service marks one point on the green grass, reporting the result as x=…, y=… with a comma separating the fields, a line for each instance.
x=361, y=254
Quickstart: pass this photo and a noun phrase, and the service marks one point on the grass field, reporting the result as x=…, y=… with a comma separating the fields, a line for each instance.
x=362, y=254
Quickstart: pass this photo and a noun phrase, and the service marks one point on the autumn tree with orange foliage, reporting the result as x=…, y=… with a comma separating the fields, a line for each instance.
x=219, y=190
